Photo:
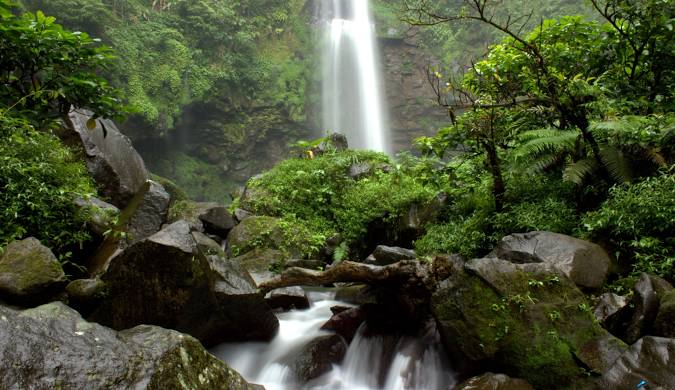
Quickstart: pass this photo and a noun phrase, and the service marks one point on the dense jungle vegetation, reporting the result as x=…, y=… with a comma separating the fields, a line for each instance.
x=204, y=81
x=564, y=125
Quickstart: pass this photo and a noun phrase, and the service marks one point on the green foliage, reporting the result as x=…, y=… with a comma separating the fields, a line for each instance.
x=47, y=69
x=229, y=56
x=200, y=181
x=467, y=237
x=320, y=194
x=638, y=221
x=39, y=179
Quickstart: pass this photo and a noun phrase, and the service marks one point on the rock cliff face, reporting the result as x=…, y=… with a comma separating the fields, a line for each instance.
x=410, y=100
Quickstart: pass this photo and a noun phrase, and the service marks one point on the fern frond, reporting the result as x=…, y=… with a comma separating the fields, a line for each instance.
x=577, y=172
x=616, y=163
x=540, y=142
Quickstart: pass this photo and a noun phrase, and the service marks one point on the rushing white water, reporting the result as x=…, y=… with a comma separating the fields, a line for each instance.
x=369, y=364
x=352, y=91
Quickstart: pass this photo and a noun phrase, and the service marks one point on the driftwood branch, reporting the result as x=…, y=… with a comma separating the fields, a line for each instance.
x=347, y=271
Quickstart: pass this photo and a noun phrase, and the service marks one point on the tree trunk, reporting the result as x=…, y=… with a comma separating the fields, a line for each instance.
x=494, y=166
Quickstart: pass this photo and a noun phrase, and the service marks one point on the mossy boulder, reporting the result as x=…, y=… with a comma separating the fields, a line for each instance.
x=529, y=320
x=664, y=325
x=29, y=272
x=164, y=280
x=51, y=346
x=491, y=381
x=585, y=263
x=100, y=216
x=255, y=232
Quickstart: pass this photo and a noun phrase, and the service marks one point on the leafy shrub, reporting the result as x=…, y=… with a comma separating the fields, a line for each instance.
x=548, y=214
x=320, y=193
x=465, y=236
x=639, y=221
x=39, y=178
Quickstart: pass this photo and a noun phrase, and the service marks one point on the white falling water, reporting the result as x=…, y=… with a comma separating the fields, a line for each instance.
x=416, y=363
x=352, y=91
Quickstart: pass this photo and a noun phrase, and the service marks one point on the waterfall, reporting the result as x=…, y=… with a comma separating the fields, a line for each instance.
x=352, y=91
x=371, y=362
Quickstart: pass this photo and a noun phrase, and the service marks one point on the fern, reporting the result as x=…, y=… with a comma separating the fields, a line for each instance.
x=577, y=172
x=545, y=141
x=616, y=163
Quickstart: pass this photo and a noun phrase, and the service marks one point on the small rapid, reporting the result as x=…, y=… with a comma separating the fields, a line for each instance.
x=371, y=362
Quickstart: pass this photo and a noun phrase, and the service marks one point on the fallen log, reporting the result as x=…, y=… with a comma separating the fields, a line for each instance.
x=404, y=272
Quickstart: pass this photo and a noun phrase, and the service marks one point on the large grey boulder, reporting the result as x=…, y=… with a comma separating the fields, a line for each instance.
x=52, y=347
x=608, y=305
x=650, y=359
x=147, y=211
x=385, y=255
x=112, y=161
x=528, y=319
x=491, y=381
x=164, y=280
x=664, y=324
x=587, y=264
x=637, y=318
x=29, y=272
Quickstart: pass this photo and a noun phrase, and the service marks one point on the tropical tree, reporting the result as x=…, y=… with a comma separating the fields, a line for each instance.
x=45, y=69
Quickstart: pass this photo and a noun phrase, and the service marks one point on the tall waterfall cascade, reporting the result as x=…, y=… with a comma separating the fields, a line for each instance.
x=351, y=87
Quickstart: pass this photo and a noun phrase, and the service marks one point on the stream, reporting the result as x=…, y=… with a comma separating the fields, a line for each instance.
x=417, y=363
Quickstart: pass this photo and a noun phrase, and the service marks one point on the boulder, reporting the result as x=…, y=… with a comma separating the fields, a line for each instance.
x=608, y=305
x=650, y=359
x=164, y=280
x=241, y=214
x=419, y=214
x=346, y=322
x=359, y=170
x=318, y=356
x=587, y=264
x=260, y=262
x=52, y=347
x=338, y=141
x=358, y=294
x=100, y=216
x=528, y=319
x=218, y=220
x=117, y=169
x=146, y=212
x=385, y=255
x=287, y=298
x=664, y=325
x=637, y=318
x=247, y=235
x=29, y=272
x=85, y=294
x=206, y=244
x=490, y=381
